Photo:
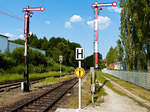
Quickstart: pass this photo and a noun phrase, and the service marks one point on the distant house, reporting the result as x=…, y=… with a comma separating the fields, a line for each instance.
x=110, y=66
x=116, y=66
x=5, y=44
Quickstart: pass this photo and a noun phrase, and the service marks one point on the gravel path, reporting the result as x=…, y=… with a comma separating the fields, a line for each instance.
x=113, y=102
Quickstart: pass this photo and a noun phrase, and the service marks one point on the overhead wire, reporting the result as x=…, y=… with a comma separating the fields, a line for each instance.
x=7, y=14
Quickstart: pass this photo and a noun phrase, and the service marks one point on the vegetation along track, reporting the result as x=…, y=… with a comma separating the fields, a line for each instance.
x=6, y=86
x=47, y=100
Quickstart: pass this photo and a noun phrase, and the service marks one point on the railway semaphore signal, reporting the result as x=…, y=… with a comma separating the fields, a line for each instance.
x=27, y=16
x=97, y=7
x=34, y=9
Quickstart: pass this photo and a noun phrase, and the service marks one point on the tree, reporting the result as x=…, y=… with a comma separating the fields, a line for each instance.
x=60, y=46
x=18, y=41
x=34, y=42
x=112, y=56
x=120, y=51
x=89, y=61
x=135, y=19
x=44, y=44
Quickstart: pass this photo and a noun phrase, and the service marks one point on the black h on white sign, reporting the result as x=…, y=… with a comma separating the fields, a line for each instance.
x=79, y=54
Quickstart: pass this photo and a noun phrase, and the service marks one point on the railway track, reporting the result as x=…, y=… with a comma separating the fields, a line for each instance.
x=6, y=86
x=47, y=100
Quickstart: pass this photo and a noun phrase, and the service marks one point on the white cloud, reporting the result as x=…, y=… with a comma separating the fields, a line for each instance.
x=68, y=25
x=115, y=9
x=47, y=22
x=21, y=36
x=103, y=22
x=9, y=35
x=76, y=18
x=73, y=19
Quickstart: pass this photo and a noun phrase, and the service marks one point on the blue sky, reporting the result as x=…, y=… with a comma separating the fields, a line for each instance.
x=71, y=19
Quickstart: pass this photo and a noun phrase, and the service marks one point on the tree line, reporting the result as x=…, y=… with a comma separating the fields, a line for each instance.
x=55, y=47
x=134, y=35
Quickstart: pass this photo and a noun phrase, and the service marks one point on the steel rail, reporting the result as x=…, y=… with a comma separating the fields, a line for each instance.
x=15, y=84
x=46, y=93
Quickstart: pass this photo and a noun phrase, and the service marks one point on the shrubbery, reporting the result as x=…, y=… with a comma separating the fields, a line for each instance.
x=39, y=69
x=17, y=69
x=56, y=67
x=38, y=63
x=1, y=71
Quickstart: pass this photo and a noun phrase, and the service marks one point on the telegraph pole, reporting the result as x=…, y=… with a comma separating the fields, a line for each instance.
x=27, y=16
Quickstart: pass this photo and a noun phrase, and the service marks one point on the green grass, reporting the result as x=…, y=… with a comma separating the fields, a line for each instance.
x=101, y=79
x=99, y=92
x=51, y=80
x=10, y=77
x=46, y=74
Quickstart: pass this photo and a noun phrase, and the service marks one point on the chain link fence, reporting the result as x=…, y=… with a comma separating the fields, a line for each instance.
x=139, y=78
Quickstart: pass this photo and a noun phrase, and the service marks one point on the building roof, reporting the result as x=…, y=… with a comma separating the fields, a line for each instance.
x=3, y=36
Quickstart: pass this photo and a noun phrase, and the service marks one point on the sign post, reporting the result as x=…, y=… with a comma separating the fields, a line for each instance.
x=27, y=16
x=79, y=71
x=60, y=61
x=79, y=87
x=92, y=83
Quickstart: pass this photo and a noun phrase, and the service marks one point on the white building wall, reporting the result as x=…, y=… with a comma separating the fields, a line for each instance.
x=12, y=46
x=7, y=45
x=3, y=43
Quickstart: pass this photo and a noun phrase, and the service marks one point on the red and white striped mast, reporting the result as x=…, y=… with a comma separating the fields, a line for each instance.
x=96, y=6
x=27, y=15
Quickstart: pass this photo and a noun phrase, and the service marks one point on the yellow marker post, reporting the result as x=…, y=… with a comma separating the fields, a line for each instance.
x=79, y=72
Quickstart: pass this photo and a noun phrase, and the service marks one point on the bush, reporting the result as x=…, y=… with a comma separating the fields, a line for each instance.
x=56, y=67
x=67, y=69
x=17, y=69
x=1, y=71
x=39, y=69
x=101, y=66
x=6, y=61
x=50, y=61
x=31, y=68
x=35, y=57
x=18, y=55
